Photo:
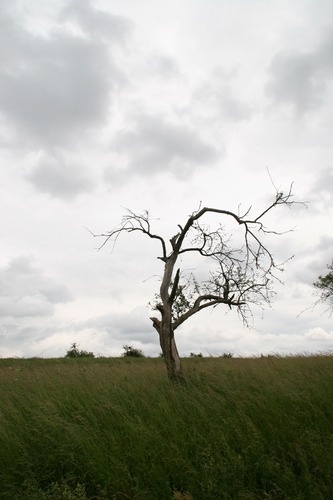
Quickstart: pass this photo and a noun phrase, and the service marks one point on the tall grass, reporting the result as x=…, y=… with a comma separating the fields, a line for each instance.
x=118, y=429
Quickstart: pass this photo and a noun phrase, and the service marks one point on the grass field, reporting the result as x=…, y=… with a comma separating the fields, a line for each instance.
x=118, y=429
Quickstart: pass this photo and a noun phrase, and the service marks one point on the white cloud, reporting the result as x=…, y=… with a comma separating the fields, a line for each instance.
x=319, y=334
x=97, y=23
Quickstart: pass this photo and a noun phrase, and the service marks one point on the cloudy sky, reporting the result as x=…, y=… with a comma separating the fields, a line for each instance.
x=144, y=104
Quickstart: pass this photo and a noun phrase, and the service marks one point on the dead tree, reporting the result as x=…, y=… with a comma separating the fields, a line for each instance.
x=241, y=274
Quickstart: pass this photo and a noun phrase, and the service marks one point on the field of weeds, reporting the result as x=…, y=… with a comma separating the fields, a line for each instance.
x=104, y=428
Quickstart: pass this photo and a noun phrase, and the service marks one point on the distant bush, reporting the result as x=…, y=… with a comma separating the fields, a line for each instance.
x=132, y=352
x=74, y=352
x=193, y=355
x=227, y=355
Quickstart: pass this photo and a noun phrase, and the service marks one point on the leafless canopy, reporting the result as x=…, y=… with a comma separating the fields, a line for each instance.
x=241, y=275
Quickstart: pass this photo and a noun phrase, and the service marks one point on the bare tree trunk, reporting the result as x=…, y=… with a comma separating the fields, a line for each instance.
x=164, y=326
x=171, y=355
x=169, y=348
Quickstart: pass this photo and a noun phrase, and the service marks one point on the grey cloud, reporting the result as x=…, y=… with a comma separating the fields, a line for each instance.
x=325, y=243
x=55, y=175
x=97, y=22
x=294, y=81
x=163, y=66
x=300, y=78
x=323, y=186
x=155, y=145
x=315, y=259
x=132, y=326
x=219, y=99
x=323, y=256
x=12, y=37
x=320, y=193
x=20, y=307
x=27, y=292
x=55, y=88
x=18, y=339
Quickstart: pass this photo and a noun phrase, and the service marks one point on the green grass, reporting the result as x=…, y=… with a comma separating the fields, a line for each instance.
x=118, y=429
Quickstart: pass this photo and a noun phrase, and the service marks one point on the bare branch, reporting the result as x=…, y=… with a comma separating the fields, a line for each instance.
x=132, y=222
x=202, y=302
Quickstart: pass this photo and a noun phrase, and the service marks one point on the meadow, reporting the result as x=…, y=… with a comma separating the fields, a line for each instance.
x=107, y=428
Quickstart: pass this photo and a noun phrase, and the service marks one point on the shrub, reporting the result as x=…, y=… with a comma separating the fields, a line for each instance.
x=130, y=351
x=74, y=352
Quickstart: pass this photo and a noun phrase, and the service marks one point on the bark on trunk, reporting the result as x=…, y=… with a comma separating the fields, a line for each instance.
x=169, y=348
x=164, y=325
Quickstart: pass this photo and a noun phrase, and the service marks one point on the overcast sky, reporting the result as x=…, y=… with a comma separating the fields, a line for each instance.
x=144, y=104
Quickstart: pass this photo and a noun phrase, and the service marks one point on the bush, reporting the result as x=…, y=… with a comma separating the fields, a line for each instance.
x=74, y=352
x=130, y=351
